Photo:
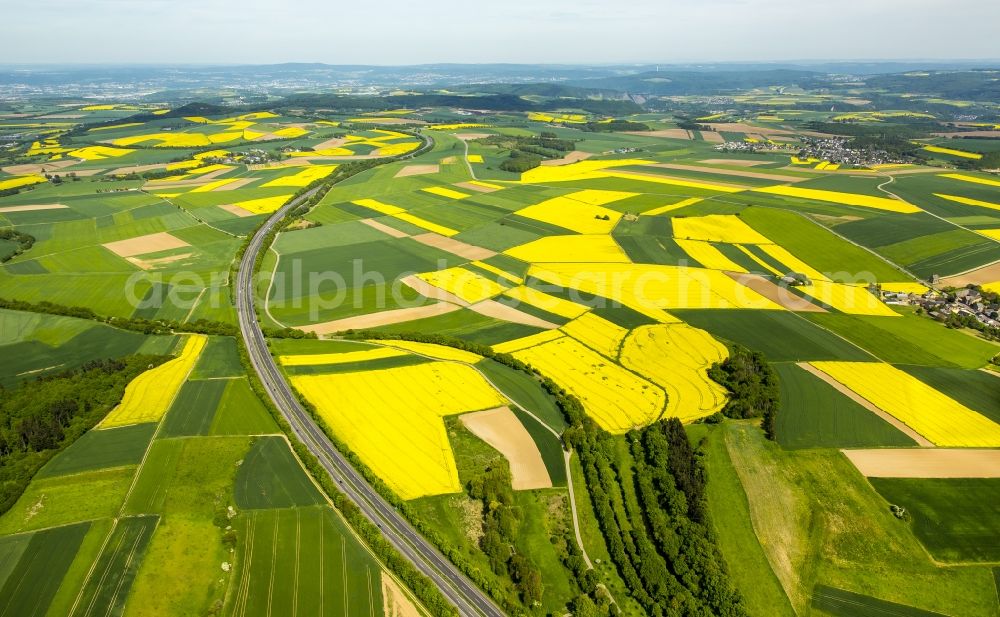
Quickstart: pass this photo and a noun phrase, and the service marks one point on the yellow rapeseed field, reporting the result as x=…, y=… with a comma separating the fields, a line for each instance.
x=597, y=333
x=457, y=125
x=792, y=263
x=291, y=132
x=959, y=153
x=581, y=170
x=972, y=179
x=397, y=149
x=852, y=299
x=263, y=205
x=671, y=207
x=677, y=358
x=905, y=287
x=465, y=284
x=392, y=419
x=651, y=289
x=13, y=183
x=546, y=302
x=445, y=192
x=149, y=396
x=615, y=398
x=581, y=248
x=849, y=199
x=941, y=419
x=968, y=201
x=582, y=211
x=440, y=352
x=302, y=178
x=528, y=341
x=708, y=256
x=990, y=233
x=403, y=215
x=97, y=153
x=716, y=228
x=344, y=357
x=475, y=158
x=508, y=276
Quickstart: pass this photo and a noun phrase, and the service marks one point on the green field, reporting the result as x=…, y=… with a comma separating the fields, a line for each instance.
x=271, y=477
x=840, y=603
x=910, y=339
x=106, y=588
x=782, y=336
x=957, y=519
x=814, y=414
x=33, y=578
x=100, y=449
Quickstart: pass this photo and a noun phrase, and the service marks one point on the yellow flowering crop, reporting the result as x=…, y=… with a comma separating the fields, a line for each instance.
x=969, y=201
x=853, y=299
x=617, y=399
x=513, y=278
x=303, y=178
x=581, y=248
x=597, y=333
x=346, y=357
x=708, y=256
x=149, y=396
x=263, y=205
x=525, y=342
x=440, y=352
x=546, y=302
x=96, y=153
x=445, y=192
x=959, y=153
x=397, y=149
x=837, y=197
x=677, y=358
x=942, y=420
x=13, y=183
x=465, y=284
x=582, y=211
x=716, y=228
x=392, y=419
x=475, y=158
x=972, y=179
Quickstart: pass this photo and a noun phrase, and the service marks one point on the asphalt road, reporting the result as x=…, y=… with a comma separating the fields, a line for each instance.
x=467, y=598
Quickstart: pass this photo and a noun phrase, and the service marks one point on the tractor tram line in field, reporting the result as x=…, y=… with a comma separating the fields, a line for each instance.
x=452, y=583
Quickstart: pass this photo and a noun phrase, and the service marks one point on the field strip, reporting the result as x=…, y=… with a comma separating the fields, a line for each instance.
x=427, y=290
x=501, y=429
x=270, y=285
x=492, y=308
x=93, y=566
x=730, y=172
x=33, y=208
x=274, y=561
x=775, y=293
x=455, y=247
x=391, y=231
x=573, y=157
x=857, y=398
x=298, y=561
x=417, y=170
x=926, y=463
x=381, y=318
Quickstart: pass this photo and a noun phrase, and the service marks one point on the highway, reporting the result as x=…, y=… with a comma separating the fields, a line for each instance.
x=456, y=587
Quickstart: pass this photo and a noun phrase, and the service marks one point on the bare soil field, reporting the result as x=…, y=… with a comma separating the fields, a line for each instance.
x=38, y=168
x=668, y=133
x=572, y=157
x=395, y=602
x=238, y=211
x=496, y=310
x=33, y=207
x=427, y=290
x=775, y=293
x=142, y=245
x=979, y=276
x=455, y=247
x=501, y=429
x=136, y=169
x=417, y=170
x=475, y=187
x=392, y=231
x=471, y=136
x=382, y=318
x=860, y=400
x=926, y=463
x=333, y=142
x=712, y=137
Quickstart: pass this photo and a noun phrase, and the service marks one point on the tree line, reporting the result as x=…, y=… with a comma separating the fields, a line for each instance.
x=42, y=417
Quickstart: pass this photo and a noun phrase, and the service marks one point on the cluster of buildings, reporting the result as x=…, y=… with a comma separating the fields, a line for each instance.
x=967, y=303
x=836, y=150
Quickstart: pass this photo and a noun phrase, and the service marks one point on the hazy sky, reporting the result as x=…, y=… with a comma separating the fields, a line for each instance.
x=531, y=31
